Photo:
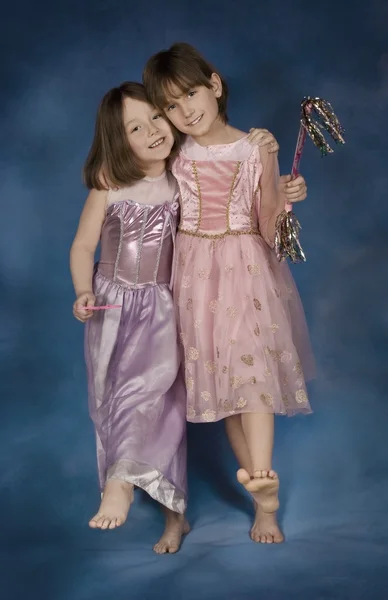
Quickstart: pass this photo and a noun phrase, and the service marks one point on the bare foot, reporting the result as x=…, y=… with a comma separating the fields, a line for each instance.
x=265, y=529
x=263, y=486
x=176, y=527
x=116, y=501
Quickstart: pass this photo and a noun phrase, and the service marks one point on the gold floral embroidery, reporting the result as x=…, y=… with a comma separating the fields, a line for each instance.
x=224, y=369
x=285, y=357
x=189, y=384
x=247, y=359
x=197, y=323
x=182, y=259
x=241, y=402
x=186, y=281
x=204, y=274
x=228, y=268
x=211, y=366
x=285, y=400
x=254, y=269
x=191, y=414
x=227, y=406
x=252, y=380
x=298, y=368
x=189, y=368
x=213, y=305
x=257, y=304
x=206, y=396
x=232, y=341
x=209, y=415
x=267, y=399
x=299, y=382
x=289, y=290
x=192, y=353
x=274, y=327
x=267, y=372
x=236, y=381
x=183, y=337
x=189, y=304
x=301, y=397
x=231, y=312
x=256, y=330
x=274, y=354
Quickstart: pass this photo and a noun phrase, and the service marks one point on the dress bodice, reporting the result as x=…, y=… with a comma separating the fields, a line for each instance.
x=230, y=189
x=217, y=186
x=137, y=240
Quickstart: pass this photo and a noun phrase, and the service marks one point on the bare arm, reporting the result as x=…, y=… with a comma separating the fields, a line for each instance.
x=85, y=242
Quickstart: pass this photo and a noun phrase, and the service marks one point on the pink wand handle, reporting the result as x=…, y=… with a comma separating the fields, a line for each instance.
x=297, y=157
x=106, y=307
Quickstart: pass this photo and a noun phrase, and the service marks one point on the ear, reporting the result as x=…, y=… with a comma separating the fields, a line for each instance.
x=216, y=85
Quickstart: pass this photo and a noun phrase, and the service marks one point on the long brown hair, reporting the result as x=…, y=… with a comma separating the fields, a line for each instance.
x=183, y=66
x=111, y=162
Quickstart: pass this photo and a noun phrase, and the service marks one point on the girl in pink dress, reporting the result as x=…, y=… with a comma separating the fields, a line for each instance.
x=241, y=322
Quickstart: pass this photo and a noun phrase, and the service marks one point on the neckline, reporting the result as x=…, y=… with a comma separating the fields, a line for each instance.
x=158, y=178
x=211, y=146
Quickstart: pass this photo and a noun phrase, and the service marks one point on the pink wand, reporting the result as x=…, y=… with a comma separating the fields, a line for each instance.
x=287, y=225
x=106, y=307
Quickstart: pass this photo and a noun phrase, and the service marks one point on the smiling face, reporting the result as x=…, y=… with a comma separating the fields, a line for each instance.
x=194, y=112
x=148, y=132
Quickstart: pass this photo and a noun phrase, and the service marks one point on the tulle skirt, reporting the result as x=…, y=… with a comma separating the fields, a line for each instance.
x=242, y=327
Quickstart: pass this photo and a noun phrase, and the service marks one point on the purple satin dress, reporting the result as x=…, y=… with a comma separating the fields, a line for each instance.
x=137, y=397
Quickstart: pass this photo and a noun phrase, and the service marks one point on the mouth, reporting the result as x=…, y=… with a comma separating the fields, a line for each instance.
x=195, y=122
x=158, y=143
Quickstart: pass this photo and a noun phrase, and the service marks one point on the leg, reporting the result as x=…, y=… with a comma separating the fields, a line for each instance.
x=115, y=504
x=176, y=527
x=262, y=482
x=236, y=437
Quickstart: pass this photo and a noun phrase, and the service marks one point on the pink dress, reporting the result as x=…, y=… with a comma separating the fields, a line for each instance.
x=240, y=318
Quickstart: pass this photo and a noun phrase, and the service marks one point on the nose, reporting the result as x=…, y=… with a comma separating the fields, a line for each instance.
x=188, y=111
x=153, y=129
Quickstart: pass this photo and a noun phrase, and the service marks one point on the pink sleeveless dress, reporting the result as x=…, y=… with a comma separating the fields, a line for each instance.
x=240, y=318
x=137, y=397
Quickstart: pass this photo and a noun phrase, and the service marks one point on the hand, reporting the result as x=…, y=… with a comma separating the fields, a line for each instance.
x=84, y=300
x=295, y=190
x=262, y=137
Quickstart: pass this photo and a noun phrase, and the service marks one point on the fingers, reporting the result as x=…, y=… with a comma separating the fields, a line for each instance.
x=80, y=307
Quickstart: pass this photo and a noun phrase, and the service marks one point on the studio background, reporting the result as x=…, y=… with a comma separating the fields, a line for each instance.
x=58, y=59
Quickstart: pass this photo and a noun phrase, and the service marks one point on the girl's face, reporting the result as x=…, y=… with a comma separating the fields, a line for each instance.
x=149, y=133
x=195, y=111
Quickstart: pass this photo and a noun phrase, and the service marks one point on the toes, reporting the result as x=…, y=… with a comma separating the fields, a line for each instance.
x=272, y=474
x=105, y=523
x=243, y=476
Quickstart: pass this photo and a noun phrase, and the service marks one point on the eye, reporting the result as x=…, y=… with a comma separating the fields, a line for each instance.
x=137, y=128
x=191, y=94
x=171, y=107
x=156, y=117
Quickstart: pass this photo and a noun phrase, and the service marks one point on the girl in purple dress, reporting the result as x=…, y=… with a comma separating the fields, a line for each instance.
x=241, y=322
x=137, y=397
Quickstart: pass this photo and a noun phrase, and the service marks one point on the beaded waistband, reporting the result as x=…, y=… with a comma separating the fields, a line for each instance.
x=216, y=236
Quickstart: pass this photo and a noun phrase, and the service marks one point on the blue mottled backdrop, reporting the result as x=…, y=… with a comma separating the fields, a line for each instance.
x=58, y=59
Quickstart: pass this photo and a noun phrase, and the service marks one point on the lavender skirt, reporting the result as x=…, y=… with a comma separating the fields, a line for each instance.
x=137, y=398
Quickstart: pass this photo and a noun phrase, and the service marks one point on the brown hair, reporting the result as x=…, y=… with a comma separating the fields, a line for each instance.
x=183, y=66
x=111, y=161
